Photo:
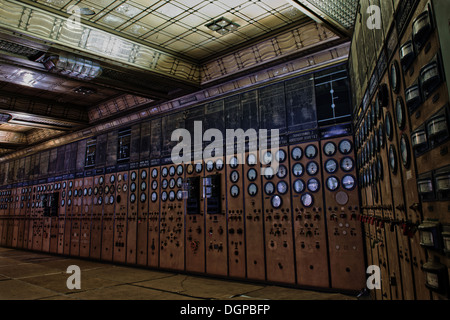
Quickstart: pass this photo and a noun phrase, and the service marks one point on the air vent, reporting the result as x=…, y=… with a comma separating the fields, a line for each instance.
x=19, y=50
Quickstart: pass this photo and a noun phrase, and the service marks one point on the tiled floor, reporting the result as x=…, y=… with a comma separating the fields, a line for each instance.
x=28, y=275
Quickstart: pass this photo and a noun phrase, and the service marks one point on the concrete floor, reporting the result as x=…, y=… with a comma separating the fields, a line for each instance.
x=28, y=275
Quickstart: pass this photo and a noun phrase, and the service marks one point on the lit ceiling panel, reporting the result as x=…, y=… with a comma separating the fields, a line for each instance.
x=180, y=25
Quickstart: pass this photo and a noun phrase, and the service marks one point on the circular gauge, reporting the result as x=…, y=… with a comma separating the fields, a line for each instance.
x=311, y=152
x=312, y=168
x=179, y=182
x=234, y=191
x=70, y=193
x=172, y=196
x=164, y=172
x=234, y=176
x=101, y=180
x=276, y=201
x=133, y=176
x=234, y=162
x=280, y=156
x=331, y=166
x=210, y=166
x=405, y=151
x=69, y=202
x=251, y=160
x=375, y=171
x=143, y=175
x=132, y=198
x=307, y=200
x=380, y=169
x=282, y=172
x=388, y=124
x=172, y=171
x=268, y=173
x=164, y=196
x=395, y=77
x=164, y=184
x=267, y=158
x=154, y=185
x=154, y=173
x=252, y=174
x=112, y=189
x=119, y=178
x=376, y=142
x=132, y=187
x=219, y=164
x=297, y=170
x=374, y=116
x=393, y=159
x=64, y=185
x=180, y=195
x=198, y=167
x=348, y=182
x=297, y=153
x=269, y=188
x=111, y=199
x=154, y=197
x=313, y=185
x=252, y=189
x=125, y=187
x=143, y=186
x=190, y=168
x=329, y=149
x=90, y=191
x=299, y=186
x=345, y=146
x=282, y=187
x=119, y=188
x=180, y=169
x=332, y=183
x=400, y=113
x=112, y=179
x=85, y=192
x=347, y=164
x=172, y=183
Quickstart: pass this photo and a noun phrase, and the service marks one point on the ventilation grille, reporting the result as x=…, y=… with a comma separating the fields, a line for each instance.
x=18, y=49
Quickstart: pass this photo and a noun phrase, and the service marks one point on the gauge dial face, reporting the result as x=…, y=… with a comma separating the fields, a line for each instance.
x=329, y=149
x=312, y=168
x=280, y=156
x=400, y=113
x=405, y=151
x=252, y=174
x=154, y=197
x=381, y=137
x=164, y=184
x=172, y=195
x=172, y=171
x=234, y=176
x=388, y=124
x=112, y=179
x=101, y=180
x=345, y=146
x=393, y=159
x=210, y=166
x=311, y=152
x=172, y=183
x=180, y=170
x=154, y=173
x=331, y=166
x=297, y=170
x=395, y=77
x=348, y=182
x=234, y=162
x=282, y=172
x=234, y=191
x=164, y=196
x=347, y=164
x=307, y=200
x=251, y=159
x=154, y=185
x=180, y=195
x=132, y=198
x=374, y=115
x=297, y=153
x=190, y=168
x=267, y=158
x=143, y=197
x=276, y=201
x=198, y=167
x=313, y=185
x=252, y=189
x=143, y=175
x=179, y=182
x=219, y=164
x=299, y=186
x=332, y=183
x=282, y=187
x=268, y=172
x=165, y=172
x=269, y=188
x=380, y=169
x=132, y=187
x=133, y=176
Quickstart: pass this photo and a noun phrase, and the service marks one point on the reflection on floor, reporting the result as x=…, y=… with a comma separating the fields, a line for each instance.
x=28, y=275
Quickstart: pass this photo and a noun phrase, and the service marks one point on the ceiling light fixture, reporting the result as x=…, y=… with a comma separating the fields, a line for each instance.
x=74, y=67
x=222, y=26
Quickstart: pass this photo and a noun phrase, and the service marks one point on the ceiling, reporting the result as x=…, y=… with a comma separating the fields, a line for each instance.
x=148, y=52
